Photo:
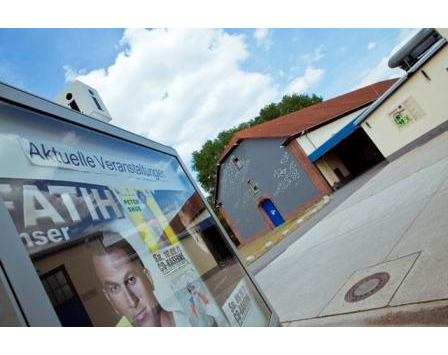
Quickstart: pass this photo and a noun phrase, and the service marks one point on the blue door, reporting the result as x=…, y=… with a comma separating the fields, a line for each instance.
x=274, y=215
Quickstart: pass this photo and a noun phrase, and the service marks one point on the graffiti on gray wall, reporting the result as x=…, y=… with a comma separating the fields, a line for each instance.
x=275, y=173
x=287, y=174
x=233, y=179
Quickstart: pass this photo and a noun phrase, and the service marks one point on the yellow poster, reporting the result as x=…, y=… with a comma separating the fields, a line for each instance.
x=151, y=223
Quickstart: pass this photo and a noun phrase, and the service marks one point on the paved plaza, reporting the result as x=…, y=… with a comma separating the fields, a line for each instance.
x=380, y=257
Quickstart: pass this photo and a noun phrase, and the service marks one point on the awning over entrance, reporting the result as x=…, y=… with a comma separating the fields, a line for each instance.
x=335, y=139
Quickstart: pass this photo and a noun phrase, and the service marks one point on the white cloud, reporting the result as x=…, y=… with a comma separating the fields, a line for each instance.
x=263, y=37
x=315, y=56
x=371, y=46
x=180, y=87
x=303, y=83
x=381, y=70
x=71, y=74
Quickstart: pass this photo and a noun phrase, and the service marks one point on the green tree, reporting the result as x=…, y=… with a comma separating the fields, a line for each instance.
x=295, y=102
x=268, y=113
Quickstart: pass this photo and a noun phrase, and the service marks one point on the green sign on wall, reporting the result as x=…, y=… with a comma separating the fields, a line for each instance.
x=401, y=119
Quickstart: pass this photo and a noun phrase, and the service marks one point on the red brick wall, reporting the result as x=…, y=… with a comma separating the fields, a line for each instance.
x=310, y=169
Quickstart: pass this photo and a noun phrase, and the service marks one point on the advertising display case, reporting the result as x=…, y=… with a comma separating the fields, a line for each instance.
x=101, y=227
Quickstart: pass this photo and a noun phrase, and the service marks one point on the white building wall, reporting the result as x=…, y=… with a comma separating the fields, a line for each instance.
x=443, y=32
x=315, y=138
x=426, y=100
x=327, y=165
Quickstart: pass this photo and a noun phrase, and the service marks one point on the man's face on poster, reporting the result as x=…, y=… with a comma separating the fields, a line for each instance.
x=128, y=288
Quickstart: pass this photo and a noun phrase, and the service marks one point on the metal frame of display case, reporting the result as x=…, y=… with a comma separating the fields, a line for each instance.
x=27, y=288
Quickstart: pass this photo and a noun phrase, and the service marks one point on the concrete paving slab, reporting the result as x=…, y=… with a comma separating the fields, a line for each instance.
x=301, y=283
x=428, y=280
x=431, y=314
x=395, y=192
x=444, y=185
x=355, y=185
x=393, y=273
x=411, y=190
x=429, y=231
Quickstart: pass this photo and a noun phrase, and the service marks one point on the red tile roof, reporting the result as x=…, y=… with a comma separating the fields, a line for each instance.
x=313, y=116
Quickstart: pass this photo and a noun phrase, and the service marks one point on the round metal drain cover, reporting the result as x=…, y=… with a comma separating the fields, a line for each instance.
x=367, y=286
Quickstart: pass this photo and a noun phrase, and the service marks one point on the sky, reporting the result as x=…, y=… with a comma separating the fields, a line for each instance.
x=181, y=87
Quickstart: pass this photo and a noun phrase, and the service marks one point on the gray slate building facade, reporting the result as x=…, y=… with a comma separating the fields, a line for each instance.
x=262, y=184
x=266, y=173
